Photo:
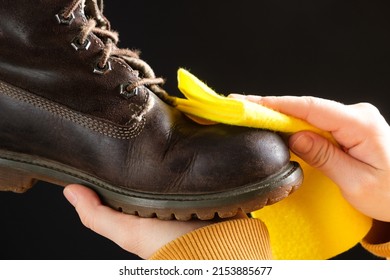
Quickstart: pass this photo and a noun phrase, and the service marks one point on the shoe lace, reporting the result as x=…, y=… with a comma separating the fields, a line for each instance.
x=100, y=26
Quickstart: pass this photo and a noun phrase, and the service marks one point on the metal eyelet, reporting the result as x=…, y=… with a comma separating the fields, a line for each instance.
x=101, y=71
x=62, y=20
x=78, y=46
x=126, y=94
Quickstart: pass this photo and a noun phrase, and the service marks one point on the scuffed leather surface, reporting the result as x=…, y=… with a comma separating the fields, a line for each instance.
x=164, y=151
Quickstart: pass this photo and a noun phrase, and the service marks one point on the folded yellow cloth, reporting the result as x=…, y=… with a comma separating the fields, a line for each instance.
x=315, y=222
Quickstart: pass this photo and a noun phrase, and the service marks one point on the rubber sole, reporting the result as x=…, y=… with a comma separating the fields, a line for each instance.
x=19, y=172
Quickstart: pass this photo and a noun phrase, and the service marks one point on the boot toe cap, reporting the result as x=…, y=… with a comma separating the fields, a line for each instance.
x=238, y=157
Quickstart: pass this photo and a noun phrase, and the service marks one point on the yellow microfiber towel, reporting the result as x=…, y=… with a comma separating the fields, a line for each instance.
x=315, y=222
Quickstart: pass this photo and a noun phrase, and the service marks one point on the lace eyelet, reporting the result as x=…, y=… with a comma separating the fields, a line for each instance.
x=101, y=71
x=62, y=20
x=78, y=46
x=125, y=93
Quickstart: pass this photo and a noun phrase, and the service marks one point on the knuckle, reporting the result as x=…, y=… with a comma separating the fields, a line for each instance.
x=309, y=102
x=367, y=106
x=312, y=105
x=368, y=109
x=323, y=155
x=368, y=115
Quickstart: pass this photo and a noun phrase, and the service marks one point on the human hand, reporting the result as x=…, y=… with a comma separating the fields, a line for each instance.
x=140, y=236
x=361, y=165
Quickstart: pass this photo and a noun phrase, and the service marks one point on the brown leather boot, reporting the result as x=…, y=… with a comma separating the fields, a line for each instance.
x=74, y=108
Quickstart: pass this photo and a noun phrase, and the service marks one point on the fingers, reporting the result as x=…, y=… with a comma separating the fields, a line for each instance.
x=141, y=236
x=349, y=124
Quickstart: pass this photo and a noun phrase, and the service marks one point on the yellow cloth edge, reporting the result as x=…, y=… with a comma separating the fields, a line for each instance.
x=203, y=102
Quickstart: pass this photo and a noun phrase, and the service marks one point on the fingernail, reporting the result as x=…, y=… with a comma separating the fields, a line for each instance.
x=70, y=196
x=301, y=144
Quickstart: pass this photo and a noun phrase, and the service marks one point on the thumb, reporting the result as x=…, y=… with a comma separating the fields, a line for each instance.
x=353, y=177
x=323, y=155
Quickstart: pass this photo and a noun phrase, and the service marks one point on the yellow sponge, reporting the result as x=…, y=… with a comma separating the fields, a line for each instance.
x=315, y=222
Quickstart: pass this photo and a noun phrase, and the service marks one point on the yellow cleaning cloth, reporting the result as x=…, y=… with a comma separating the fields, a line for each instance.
x=315, y=222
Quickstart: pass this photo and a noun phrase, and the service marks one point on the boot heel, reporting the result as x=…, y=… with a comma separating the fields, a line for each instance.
x=15, y=180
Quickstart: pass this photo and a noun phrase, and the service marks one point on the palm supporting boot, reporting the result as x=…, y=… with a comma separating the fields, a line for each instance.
x=75, y=108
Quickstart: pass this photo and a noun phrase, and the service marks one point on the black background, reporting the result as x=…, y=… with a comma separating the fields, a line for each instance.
x=332, y=49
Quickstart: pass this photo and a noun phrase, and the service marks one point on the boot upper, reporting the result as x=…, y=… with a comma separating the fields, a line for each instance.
x=57, y=105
